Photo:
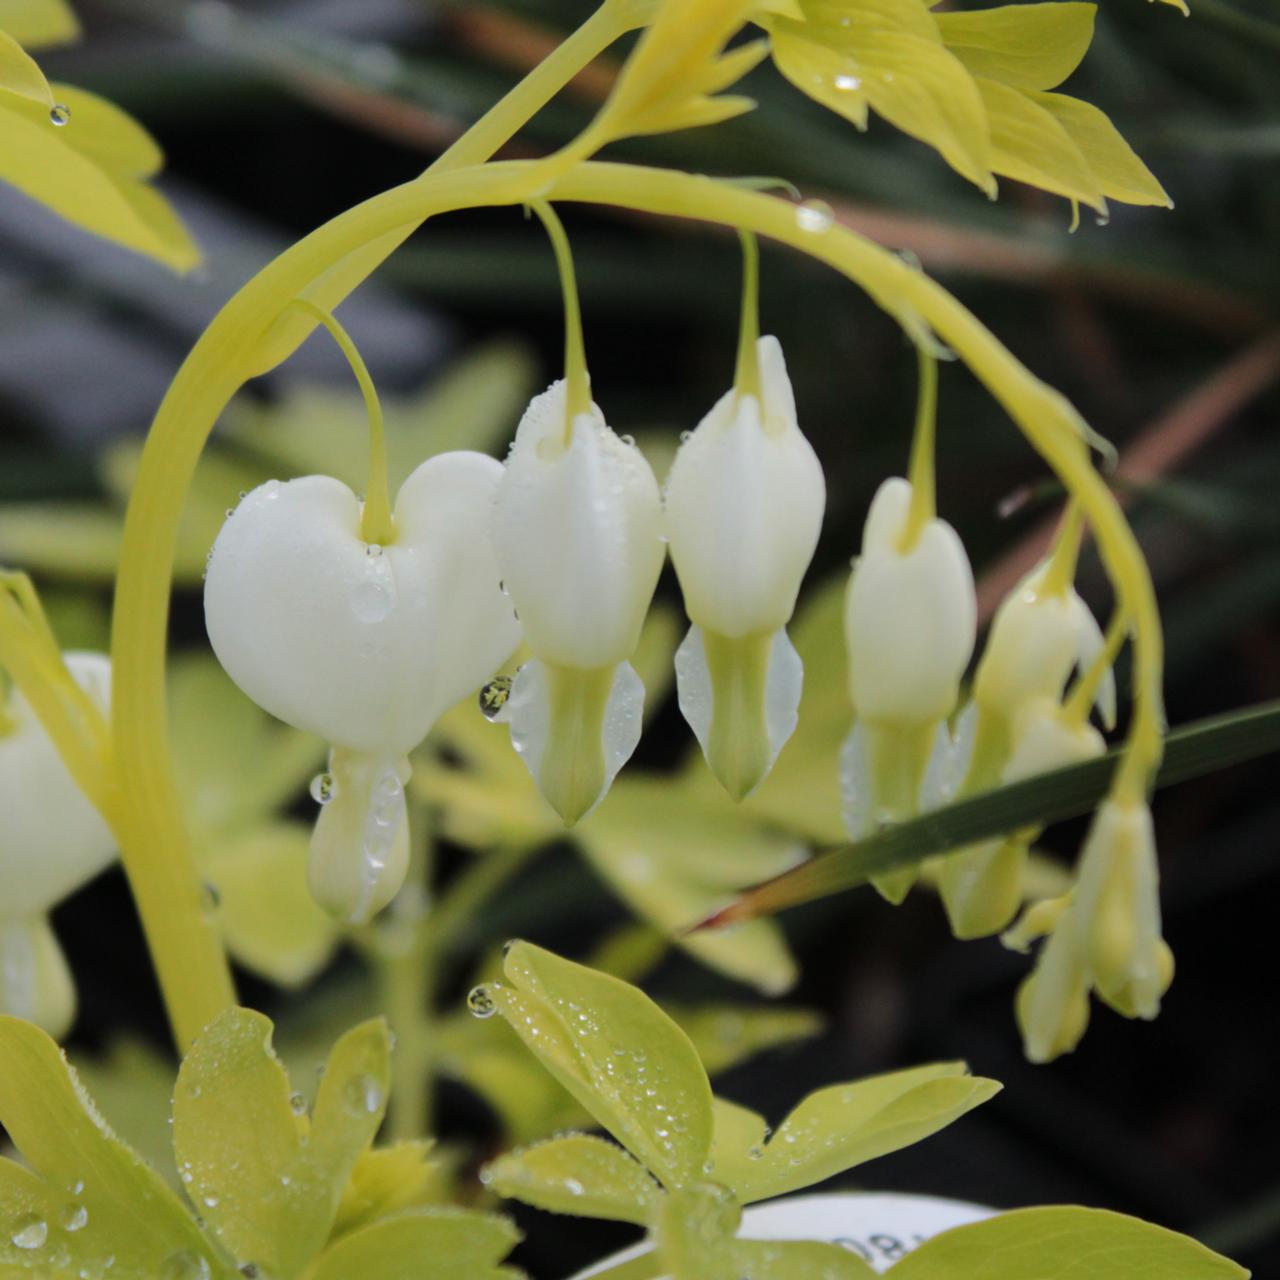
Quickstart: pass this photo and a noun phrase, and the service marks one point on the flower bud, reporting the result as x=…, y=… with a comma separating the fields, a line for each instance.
x=981, y=887
x=1037, y=637
x=910, y=622
x=910, y=617
x=52, y=840
x=1052, y=1005
x=1120, y=901
x=744, y=504
x=577, y=529
x=364, y=645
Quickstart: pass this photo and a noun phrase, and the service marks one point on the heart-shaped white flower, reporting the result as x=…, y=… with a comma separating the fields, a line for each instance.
x=364, y=645
x=577, y=530
x=52, y=840
x=744, y=504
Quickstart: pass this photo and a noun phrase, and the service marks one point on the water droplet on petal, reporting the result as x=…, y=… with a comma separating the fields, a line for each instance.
x=493, y=697
x=815, y=216
x=848, y=83
x=298, y=1104
x=210, y=898
x=481, y=1002
x=324, y=786
x=59, y=114
x=30, y=1231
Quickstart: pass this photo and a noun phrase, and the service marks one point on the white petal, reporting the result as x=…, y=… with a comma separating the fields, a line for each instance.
x=52, y=840
x=605, y=745
x=1043, y=741
x=578, y=536
x=780, y=714
x=857, y=801
x=910, y=622
x=360, y=846
x=35, y=983
x=364, y=646
x=1090, y=642
x=744, y=504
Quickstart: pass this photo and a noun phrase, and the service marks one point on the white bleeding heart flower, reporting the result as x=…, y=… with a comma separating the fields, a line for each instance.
x=364, y=645
x=52, y=841
x=577, y=531
x=744, y=504
x=910, y=627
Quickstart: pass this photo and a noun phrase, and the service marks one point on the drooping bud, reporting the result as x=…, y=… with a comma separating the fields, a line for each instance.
x=1052, y=1005
x=910, y=624
x=744, y=505
x=365, y=645
x=52, y=841
x=1119, y=900
x=981, y=888
x=577, y=532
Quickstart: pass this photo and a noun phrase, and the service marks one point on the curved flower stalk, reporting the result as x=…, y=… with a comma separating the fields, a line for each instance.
x=52, y=838
x=577, y=532
x=362, y=624
x=910, y=625
x=1013, y=726
x=744, y=503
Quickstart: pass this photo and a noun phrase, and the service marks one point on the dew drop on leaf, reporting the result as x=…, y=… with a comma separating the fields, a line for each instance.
x=75, y=1217
x=362, y=1094
x=184, y=1265
x=30, y=1231
x=59, y=114
x=298, y=1104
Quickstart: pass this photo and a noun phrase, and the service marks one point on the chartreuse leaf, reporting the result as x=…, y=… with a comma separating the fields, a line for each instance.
x=268, y=1180
x=77, y=540
x=726, y=1034
x=1030, y=145
x=90, y=171
x=669, y=80
x=83, y=1196
x=673, y=852
x=619, y=1055
x=20, y=75
x=35, y=24
x=1063, y=1243
x=796, y=1260
x=578, y=1174
x=737, y=1141
x=387, y=1181
x=428, y=1244
x=1029, y=46
x=845, y=1125
x=1112, y=161
x=268, y=917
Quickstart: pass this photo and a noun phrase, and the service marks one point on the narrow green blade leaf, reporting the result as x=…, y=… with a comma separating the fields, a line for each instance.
x=1064, y=1243
x=1203, y=747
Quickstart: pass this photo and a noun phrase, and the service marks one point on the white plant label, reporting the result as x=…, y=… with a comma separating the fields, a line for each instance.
x=880, y=1229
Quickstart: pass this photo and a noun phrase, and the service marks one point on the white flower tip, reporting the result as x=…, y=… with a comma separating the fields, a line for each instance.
x=35, y=982
x=360, y=845
x=981, y=888
x=574, y=730
x=741, y=698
